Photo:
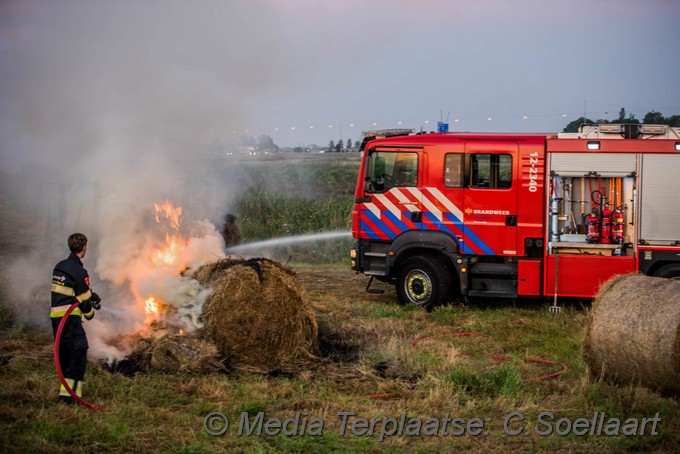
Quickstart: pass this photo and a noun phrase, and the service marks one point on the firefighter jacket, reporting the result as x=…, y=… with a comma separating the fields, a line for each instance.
x=71, y=283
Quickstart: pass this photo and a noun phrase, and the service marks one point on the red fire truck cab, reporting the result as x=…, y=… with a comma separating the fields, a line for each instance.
x=448, y=215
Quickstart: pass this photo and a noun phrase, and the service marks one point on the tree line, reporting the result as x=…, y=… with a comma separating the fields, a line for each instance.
x=652, y=117
x=266, y=143
x=341, y=146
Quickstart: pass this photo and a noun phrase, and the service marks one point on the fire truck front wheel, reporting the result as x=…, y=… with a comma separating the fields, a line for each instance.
x=425, y=281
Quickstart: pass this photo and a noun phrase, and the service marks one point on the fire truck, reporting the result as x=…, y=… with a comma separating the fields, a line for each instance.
x=448, y=215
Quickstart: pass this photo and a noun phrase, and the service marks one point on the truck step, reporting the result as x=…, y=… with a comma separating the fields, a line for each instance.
x=494, y=269
x=375, y=254
x=492, y=294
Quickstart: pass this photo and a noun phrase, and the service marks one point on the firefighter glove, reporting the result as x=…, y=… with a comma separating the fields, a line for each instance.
x=96, y=301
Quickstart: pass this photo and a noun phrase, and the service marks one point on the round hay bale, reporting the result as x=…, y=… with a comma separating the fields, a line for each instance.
x=259, y=316
x=634, y=332
x=208, y=273
x=176, y=353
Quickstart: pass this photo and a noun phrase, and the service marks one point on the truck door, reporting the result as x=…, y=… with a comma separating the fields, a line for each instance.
x=490, y=200
x=442, y=192
x=392, y=202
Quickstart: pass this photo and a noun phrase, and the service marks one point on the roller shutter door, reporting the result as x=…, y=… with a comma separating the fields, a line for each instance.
x=660, y=198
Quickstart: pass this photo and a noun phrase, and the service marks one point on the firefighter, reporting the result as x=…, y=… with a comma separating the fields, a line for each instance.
x=71, y=283
x=230, y=231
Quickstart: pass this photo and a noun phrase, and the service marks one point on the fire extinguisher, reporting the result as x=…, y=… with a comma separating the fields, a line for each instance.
x=606, y=234
x=618, y=223
x=593, y=223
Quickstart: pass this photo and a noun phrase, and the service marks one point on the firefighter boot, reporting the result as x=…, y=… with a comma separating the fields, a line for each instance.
x=75, y=385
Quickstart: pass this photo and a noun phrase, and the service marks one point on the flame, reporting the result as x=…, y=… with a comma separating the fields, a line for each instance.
x=174, y=244
x=170, y=218
x=164, y=257
x=169, y=212
x=152, y=307
x=166, y=253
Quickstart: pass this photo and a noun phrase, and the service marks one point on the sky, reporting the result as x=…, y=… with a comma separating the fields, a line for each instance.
x=308, y=71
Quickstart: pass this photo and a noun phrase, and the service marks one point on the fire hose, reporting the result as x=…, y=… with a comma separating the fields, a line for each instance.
x=497, y=357
x=60, y=374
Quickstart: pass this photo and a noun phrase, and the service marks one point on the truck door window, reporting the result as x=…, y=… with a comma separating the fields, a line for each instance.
x=391, y=169
x=453, y=170
x=490, y=171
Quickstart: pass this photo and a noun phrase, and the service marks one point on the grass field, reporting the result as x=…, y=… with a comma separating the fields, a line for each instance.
x=370, y=368
x=380, y=361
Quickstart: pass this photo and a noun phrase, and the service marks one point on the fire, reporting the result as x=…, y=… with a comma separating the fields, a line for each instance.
x=152, y=307
x=159, y=285
x=169, y=212
x=167, y=255
x=170, y=218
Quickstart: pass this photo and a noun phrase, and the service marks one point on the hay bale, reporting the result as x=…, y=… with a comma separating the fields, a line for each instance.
x=177, y=353
x=258, y=315
x=207, y=274
x=634, y=332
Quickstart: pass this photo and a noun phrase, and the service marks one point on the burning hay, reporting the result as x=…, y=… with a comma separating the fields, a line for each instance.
x=247, y=314
x=257, y=318
x=634, y=334
x=177, y=353
x=258, y=315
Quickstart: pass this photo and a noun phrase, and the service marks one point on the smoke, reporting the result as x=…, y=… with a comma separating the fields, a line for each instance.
x=107, y=108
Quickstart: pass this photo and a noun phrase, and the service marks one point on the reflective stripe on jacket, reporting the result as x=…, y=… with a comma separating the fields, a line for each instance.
x=71, y=283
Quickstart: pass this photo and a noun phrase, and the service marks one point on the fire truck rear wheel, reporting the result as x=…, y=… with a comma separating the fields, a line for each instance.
x=671, y=271
x=424, y=281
